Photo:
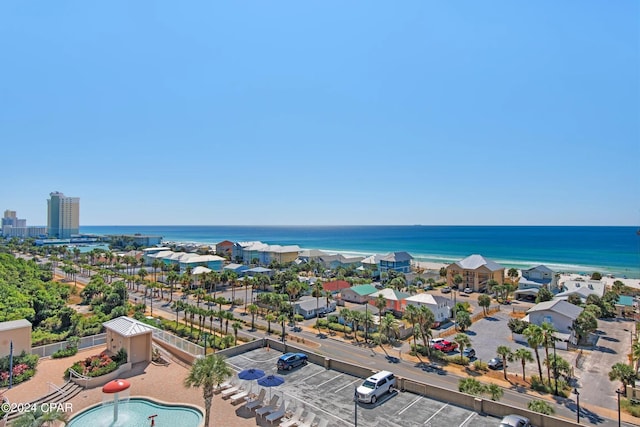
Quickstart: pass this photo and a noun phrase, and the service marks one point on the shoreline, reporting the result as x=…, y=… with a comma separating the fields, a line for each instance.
x=435, y=262
x=564, y=276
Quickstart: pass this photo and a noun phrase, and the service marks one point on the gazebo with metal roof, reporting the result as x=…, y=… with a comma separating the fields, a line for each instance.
x=132, y=335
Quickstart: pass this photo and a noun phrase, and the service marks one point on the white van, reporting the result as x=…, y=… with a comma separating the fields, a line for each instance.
x=375, y=386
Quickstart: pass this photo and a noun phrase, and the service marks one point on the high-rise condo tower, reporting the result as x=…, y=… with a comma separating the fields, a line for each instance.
x=63, y=216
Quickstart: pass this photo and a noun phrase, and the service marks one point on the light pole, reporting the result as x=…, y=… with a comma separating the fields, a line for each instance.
x=575, y=390
x=355, y=404
x=619, y=392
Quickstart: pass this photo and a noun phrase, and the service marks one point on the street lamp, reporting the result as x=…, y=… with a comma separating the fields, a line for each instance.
x=355, y=405
x=619, y=392
x=577, y=393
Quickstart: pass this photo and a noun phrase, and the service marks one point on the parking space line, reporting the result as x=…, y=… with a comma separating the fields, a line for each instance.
x=410, y=405
x=259, y=361
x=468, y=418
x=317, y=408
x=345, y=386
x=323, y=383
x=317, y=373
x=437, y=412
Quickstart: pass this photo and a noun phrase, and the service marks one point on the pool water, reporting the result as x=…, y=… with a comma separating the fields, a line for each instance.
x=135, y=413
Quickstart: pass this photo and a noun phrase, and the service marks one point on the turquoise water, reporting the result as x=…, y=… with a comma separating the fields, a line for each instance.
x=613, y=250
x=135, y=413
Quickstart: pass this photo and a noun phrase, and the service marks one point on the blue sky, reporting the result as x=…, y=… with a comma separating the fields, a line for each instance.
x=360, y=112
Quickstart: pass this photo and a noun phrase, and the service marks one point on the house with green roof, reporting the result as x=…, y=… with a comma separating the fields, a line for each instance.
x=357, y=294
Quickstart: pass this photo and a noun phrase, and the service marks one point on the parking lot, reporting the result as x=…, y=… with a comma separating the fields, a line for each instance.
x=329, y=394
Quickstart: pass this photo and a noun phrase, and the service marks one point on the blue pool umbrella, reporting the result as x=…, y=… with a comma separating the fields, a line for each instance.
x=251, y=374
x=270, y=381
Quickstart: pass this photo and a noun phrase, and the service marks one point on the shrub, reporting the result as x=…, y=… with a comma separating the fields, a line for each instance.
x=334, y=326
x=629, y=407
x=65, y=352
x=480, y=366
x=517, y=326
x=23, y=368
x=464, y=361
x=471, y=386
x=322, y=323
x=94, y=366
x=541, y=407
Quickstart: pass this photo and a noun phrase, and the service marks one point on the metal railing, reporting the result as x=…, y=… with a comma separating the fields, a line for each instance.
x=85, y=342
x=179, y=343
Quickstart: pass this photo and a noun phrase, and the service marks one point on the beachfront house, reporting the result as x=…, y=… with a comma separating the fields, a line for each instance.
x=279, y=254
x=395, y=299
x=561, y=314
x=339, y=260
x=357, y=294
x=439, y=306
x=396, y=261
x=582, y=288
x=225, y=249
x=259, y=270
x=311, y=255
x=476, y=271
x=372, y=264
x=541, y=274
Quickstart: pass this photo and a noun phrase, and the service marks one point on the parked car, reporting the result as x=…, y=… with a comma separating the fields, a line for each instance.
x=445, y=290
x=515, y=421
x=434, y=341
x=468, y=290
x=375, y=386
x=495, y=363
x=289, y=361
x=445, y=346
x=469, y=352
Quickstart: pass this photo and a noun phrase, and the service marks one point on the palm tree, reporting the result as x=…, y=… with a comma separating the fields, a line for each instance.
x=457, y=280
x=524, y=356
x=41, y=418
x=624, y=373
x=411, y=315
x=425, y=321
x=381, y=304
x=282, y=319
x=270, y=317
x=463, y=341
x=635, y=353
x=253, y=309
x=345, y=313
x=356, y=318
x=317, y=292
x=236, y=325
x=506, y=354
x=495, y=391
x=484, y=301
x=533, y=333
x=207, y=373
x=513, y=274
x=389, y=328
x=178, y=306
x=548, y=340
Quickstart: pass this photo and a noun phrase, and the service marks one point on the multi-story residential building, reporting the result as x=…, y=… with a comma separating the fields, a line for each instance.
x=476, y=271
x=63, y=216
x=12, y=226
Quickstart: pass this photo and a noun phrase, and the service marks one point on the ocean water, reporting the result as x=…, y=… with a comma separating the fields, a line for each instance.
x=614, y=250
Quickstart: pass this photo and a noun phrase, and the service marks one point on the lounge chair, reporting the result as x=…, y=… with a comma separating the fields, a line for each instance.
x=293, y=420
x=256, y=401
x=225, y=385
x=240, y=396
x=271, y=406
x=278, y=413
x=231, y=391
x=308, y=421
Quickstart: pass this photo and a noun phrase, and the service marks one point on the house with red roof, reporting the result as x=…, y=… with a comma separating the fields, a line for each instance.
x=335, y=286
x=224, y=248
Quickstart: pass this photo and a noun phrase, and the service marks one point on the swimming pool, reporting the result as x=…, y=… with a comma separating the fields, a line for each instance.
x=135, y=413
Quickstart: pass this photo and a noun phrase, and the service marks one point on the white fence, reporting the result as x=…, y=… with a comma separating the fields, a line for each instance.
x=179, y=343
x=85, y=342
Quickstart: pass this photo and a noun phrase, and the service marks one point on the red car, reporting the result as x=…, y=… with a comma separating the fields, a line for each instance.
x=445, y=346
